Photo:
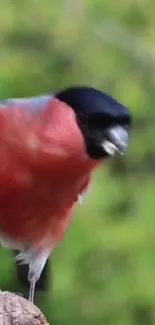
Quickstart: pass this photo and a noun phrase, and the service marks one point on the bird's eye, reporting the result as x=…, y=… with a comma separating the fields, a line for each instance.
x=100, y=121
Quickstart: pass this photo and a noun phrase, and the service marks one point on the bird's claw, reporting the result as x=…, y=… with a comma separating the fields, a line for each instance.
x=19, y=294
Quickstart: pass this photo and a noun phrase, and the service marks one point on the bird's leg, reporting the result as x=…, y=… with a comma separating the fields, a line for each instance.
x=32, y=290
x=36, y=266
x=36, y=260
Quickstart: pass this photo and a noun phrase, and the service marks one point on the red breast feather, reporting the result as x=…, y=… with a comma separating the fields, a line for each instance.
x=43, y=167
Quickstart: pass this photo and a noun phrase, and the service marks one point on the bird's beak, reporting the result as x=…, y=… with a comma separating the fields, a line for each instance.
x=116, y=140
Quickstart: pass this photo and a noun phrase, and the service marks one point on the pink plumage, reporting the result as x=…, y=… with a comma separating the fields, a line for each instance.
x=43, y=168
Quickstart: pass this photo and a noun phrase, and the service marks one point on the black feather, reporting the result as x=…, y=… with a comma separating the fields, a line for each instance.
x=88, y=101
x=95, y=112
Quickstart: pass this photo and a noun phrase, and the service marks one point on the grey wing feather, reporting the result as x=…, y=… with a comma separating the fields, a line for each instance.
x=34, y=104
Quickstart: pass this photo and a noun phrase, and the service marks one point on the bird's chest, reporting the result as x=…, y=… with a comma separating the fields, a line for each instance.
x=43, y=207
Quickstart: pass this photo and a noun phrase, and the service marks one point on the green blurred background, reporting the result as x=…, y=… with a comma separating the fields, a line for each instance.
x=103, y=272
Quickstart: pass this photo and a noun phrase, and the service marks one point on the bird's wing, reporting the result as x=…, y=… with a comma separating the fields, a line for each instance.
x=36, y=103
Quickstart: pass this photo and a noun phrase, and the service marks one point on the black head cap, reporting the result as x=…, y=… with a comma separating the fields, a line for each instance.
x=101, y=118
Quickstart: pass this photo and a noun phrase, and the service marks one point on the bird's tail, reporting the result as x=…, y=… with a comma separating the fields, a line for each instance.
x=22, y=275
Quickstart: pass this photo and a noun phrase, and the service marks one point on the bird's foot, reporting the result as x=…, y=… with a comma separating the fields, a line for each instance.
x=19, y=294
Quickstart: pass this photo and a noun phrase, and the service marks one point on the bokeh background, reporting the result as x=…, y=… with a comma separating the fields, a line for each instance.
x=103, y=272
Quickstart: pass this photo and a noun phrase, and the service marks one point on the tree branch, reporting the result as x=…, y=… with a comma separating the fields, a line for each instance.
x=16, y=310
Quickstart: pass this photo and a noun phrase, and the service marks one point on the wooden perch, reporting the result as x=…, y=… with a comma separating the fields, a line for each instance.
x=16, y=310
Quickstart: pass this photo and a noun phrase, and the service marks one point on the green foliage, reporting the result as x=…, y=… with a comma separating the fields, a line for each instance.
x=104, y=269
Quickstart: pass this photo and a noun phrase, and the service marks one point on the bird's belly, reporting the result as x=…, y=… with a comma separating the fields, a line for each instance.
x=28, y=215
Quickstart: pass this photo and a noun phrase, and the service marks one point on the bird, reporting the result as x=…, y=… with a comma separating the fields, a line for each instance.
x=50, y=145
